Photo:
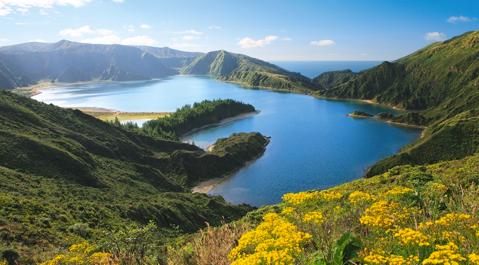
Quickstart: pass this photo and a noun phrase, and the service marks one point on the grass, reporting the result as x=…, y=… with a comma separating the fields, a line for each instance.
x=125, y=116
x=67, y=177
x=408, y=215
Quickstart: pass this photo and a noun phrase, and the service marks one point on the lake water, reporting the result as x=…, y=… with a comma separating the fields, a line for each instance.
x=313, y=142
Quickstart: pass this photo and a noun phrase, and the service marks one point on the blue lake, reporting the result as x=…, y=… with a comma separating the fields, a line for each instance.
x=313, y=142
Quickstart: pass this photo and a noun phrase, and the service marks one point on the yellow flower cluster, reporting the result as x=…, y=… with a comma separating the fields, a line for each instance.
x=445, y=254
x=302, y=197
x=384, y=215
x=400, y=260
x=409, y=236
x=452, y=218
x=381, y=259
x=3, y=262
x=330, y=195
x=314, y=217
x=287, y=211
x=399, y=190
x=274, y=241
x=474, y=258
x=439, y=187
x=374, y=258
x=358, y=197
x=82, y=253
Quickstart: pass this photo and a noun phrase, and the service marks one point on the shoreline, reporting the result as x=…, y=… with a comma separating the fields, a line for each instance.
x=206, y=186
x=402, y=124
x=110, y=114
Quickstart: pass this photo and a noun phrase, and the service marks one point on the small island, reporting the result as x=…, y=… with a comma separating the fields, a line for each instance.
x=359, y=114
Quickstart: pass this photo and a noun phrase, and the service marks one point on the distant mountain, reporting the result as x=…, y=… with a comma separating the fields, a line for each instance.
x=248, y=71
x=440, y=80
x=67, y=61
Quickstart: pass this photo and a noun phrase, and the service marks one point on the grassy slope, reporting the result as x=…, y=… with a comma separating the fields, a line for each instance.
x=66, y=176
x=247, y=71
x=417, y=197
x=440, y=80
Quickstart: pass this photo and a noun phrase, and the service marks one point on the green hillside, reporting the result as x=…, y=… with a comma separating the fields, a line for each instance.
x=440, y=80
x=66, y=177
x=408, y=215
x=247, y=71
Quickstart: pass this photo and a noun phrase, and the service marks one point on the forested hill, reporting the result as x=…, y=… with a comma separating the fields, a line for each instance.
x=190, y=117
x=66, y=177
x=247, y=71
x=440, y=80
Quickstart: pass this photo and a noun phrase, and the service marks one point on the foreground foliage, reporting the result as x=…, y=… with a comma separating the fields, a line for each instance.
x=408, y=215
x=66, y=177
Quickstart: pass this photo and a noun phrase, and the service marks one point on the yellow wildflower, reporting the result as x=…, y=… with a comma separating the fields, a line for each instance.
x=452, y=218
x=409, y=236
x=445, y=254
x=384, y=214
x=358, y=197
x=374, y=258
x=287, y=211
x=399, y=190
x=274, y=241
x=314, y=217
x=330, y=195
x=474, y=258
x=300, y=197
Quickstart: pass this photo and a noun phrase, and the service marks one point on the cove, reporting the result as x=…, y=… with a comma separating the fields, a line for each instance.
x=314, y=145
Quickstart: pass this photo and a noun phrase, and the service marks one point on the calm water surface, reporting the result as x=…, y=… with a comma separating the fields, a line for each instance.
x=313, y=143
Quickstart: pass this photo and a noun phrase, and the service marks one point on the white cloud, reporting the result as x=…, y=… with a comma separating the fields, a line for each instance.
x=456, y=19
x=118, y=1
x=286, y=39
x=190, y=32
x=108, y=39
x=145, y=26
x=139, y=40
x=248, y=42
x=322, y=43
x=214, y=27
x=22, y=6
x=435, y=36
x=84, y=30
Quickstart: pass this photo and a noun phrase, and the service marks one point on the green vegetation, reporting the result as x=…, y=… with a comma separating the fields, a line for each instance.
x=247, y=71
x=445, y=140
x=188, y=118
x=440, y=80
x=331, y=79
x=359, y=114
x=407, y=215
x=418, y=206
x=66, y=177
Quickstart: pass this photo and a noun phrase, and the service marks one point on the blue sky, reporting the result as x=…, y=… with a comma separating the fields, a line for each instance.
x=270, y=30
